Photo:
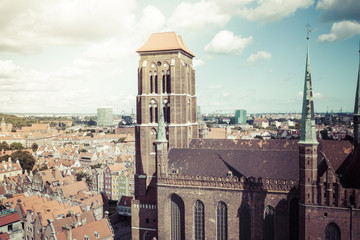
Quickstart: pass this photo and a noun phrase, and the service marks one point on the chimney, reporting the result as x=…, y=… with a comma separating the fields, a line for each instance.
x=68, y=232
x=83, y=221
x=77, y=218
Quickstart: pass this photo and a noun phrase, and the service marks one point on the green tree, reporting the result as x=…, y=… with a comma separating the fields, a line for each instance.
x=34, y=147
x=16, y=146
x=4, y=146
x=27, y=161
x=81, y=175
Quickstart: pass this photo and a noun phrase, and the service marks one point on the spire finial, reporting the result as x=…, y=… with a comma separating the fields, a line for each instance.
x=308, y=29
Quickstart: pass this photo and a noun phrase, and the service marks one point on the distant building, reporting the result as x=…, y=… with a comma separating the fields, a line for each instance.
x=104, y=116
x=240, y=116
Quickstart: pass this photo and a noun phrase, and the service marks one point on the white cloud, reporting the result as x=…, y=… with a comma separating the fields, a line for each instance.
x=341, y=30
x=316, y=95
x=273, y=10
x=198, y=62
x=196, y=16
x=217, y=86
x=260, y=55
x=66, y=22
x=225, y=42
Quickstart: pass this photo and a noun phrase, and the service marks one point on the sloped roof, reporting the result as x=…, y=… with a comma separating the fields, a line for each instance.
x=89, y=229
x=164, y=41
x=248, y=163
x=9, y=219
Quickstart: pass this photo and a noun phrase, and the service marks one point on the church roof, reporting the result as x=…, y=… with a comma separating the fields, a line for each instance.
x=275, y=159
x=164, y=41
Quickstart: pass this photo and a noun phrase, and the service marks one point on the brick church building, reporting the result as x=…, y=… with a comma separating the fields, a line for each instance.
x=191, y=188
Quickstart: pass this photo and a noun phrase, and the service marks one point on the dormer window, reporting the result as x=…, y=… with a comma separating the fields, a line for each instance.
x=96, y=234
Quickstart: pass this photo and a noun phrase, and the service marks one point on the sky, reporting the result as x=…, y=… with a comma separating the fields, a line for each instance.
x=73, y=56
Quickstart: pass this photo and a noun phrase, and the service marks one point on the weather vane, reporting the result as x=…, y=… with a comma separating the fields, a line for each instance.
x=308, y=30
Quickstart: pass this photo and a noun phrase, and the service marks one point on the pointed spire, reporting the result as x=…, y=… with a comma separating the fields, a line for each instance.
x=357, y=108
x=161, y=134
x=308, y=128
x=357, y=97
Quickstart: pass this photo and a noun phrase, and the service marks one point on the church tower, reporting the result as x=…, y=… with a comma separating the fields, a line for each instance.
x=307, y=151
x=166, y=83
x=357, y=110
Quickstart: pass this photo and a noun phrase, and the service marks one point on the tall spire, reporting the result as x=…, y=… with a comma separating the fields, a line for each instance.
x=308, y=128
x=161, y=134
x=357, y=108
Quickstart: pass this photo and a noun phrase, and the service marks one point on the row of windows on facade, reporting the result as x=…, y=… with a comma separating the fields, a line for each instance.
x=166, y=82
x=332, y=231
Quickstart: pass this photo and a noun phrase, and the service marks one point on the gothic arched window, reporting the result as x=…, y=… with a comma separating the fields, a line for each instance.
x=199, y=233
x=269, y=223
x=177, y=218
x=245, y=222
x=156, y=82
x=153, y=111
x=332, y=232
x=294, y=219
x=146, y=236
x=221, y=221
x=163, y=87
x=151, y=82
x=166, y=110
x=168, y=82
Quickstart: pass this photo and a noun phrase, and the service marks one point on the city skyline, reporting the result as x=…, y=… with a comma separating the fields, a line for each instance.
x=75, y=56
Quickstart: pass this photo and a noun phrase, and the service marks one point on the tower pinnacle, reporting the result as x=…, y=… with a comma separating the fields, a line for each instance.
x=161, y=134
x=308, y=129
x=357, y=108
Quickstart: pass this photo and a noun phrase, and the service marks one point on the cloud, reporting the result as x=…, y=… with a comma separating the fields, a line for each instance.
x=198, y=62
x=37, y=24
x=337, y=10
x=273, y=10
x=196, y=16
x=260, y=55
x=341, y=30
x=225, y=42
x=316, y=95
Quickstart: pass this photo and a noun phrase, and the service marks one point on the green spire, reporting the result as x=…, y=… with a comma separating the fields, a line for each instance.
x=308, y=129
x=357, y=97
x=161, y=134
x=357, y=109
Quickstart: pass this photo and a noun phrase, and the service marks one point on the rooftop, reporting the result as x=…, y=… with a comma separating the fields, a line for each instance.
x=164, y=41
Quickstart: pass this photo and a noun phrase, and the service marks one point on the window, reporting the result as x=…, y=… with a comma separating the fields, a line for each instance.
x=168, y=82
x=156, y=83
x=245, y=222
x=163, y=76
x=153, y=111
x=221, y=221
x=332, y=232
x=199, y=221
x=151, y=82
x=177, y=218
x=269, y=223
x=146, y=236
x=294, y=219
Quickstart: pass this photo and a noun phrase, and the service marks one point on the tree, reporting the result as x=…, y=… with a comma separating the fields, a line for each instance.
x=81, y=175
x=34, y=147
x=4, y=146
x=27, y=161
x=16, y=146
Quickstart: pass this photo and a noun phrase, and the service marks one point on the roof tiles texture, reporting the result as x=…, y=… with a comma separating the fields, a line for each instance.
x=164, y=41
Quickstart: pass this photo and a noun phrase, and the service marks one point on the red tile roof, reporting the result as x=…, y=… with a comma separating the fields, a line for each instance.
x=164, y=41
x=9, y=219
